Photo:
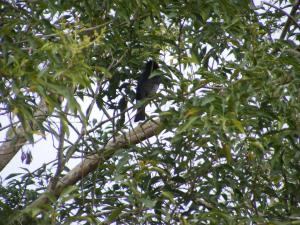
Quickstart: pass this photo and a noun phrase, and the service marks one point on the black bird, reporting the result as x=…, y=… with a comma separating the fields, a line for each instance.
x=146, y=87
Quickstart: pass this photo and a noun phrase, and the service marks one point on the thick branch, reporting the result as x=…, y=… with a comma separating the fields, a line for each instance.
x=91, y=163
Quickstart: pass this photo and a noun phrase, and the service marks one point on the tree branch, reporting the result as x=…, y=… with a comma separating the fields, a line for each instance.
x=290, y=19
x=91, y=163
x=290, y=16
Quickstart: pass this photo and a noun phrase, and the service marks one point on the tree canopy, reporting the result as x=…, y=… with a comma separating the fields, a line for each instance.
x=221, y=141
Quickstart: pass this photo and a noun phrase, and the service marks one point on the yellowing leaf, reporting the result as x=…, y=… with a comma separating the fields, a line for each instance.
x=238, y=125
x=251, y=156
x=227, y=153
x=192, y=112
x=258, y=145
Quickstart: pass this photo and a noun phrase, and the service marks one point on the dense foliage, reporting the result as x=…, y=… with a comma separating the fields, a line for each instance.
x=229, y=104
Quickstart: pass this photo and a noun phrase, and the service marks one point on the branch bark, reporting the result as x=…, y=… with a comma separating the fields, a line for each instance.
x=91, y=163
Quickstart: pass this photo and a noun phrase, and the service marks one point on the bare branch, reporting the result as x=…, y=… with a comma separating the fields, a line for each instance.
x=290, y=20
x=289, y=15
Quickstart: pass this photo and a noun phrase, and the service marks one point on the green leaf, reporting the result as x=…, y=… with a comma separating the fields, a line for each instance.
x=149, y=203
x=12, y=175
x=115, y=213
x=188, y=124
x=207, y=99
x=68, y=190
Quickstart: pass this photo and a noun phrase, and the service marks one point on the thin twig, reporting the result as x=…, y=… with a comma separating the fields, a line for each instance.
x=290, y=19
x=289, y=15
x=60, y=153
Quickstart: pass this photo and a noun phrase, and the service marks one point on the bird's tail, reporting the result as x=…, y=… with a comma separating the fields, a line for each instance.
x=140, y=114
